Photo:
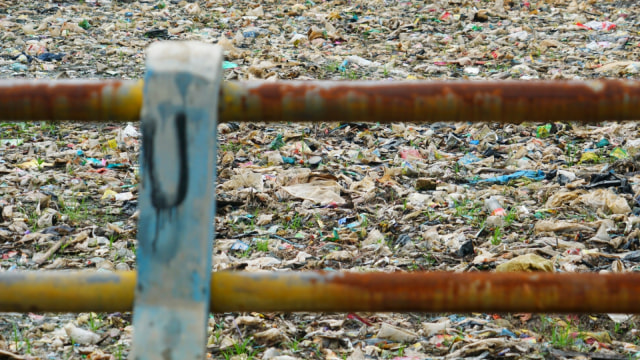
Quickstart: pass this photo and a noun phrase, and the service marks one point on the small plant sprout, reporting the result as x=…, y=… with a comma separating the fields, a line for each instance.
x=39, y=161
x=262, y=245
x=496, y=239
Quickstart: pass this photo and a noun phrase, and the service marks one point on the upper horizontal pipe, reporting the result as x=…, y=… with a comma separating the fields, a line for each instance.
x=357, y=101
x=72, y=100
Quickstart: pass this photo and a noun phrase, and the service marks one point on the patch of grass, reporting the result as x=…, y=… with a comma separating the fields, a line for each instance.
x=456, y=168
x=21, y=340
x=239, y=349
x=364, y=222
x=571, y=152
x=295, y=223
x=75, y=212
x=617, y=329
x=351, y=75
x=112, y=238
x=510, y=217
x=231, y=146
x=94, y=322
x=262, y=245
x=39, y=161
x=246, y=253
x=429, y=259
x=467, y=210
x=294, y=345
x=496, y=239
x=461, y=207
x=27, y=343
x=561, y=337
x=118, y=353
x=33, y=218
x=15, y=336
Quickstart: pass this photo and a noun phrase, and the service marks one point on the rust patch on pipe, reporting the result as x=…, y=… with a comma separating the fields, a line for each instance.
x=318, y=101
x=73, y=100
x=340, y=292
x=431, y=101
x=427, y=292
x=445, y=291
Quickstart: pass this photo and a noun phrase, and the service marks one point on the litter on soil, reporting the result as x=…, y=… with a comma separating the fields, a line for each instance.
x=555, y=197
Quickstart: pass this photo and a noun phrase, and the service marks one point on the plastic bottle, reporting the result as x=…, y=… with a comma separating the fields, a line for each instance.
x=495, y=208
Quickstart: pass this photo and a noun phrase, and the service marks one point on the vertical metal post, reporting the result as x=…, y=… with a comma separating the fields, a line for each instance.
x=175, y=229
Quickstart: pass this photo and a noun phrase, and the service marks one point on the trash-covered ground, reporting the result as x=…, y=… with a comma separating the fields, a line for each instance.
x=557, y=197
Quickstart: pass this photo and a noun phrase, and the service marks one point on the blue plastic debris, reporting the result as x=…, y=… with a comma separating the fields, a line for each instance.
x=250, y=34
x=507, y=332
x=288, y=160
x=229, y=65
x=343, y=66
x=277, y=143
x=468, y=158
x=531, y=174
x=19, y=67
x=51, y=56
x=240, y=245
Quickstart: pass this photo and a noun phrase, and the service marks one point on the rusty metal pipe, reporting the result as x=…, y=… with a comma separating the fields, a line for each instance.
x=431, y=101
x=66, y=291
x=340, y=292
x=73, y=100
x=318, y=101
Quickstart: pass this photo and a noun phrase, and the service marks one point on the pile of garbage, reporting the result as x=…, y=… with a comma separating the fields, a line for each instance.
x=552, y=197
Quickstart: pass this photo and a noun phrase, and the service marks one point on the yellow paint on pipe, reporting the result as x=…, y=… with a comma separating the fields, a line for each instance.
x=339, y=291
x=127, y=101
x=66, y=291
x=317, y=101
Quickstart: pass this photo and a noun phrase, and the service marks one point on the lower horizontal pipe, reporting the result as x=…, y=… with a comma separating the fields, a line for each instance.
x=339, y=292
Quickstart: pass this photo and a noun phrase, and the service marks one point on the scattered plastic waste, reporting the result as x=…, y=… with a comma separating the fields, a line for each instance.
x=19, y=67
x=277, y=143
x=529, y=174
x=494, y=207
x=543, y=131
x=468, y=158
x=337, y=196
x=598, y=25
x=619, y=153
x=229, y=65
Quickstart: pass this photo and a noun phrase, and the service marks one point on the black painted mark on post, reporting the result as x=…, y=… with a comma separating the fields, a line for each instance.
x=159, y=198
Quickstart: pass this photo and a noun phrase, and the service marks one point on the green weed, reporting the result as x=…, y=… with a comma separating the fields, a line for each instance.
x=510, y=217
x=496, y=239
x=239, y=349
x=118, y=354
x=94, y=322
x=262, y=245
x=293, y=345
x=561, y=338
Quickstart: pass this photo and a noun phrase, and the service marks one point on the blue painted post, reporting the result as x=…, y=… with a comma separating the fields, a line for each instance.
x=175, y=228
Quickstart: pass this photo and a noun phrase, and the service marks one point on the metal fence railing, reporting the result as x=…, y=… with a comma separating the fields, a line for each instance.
x=179, y=104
